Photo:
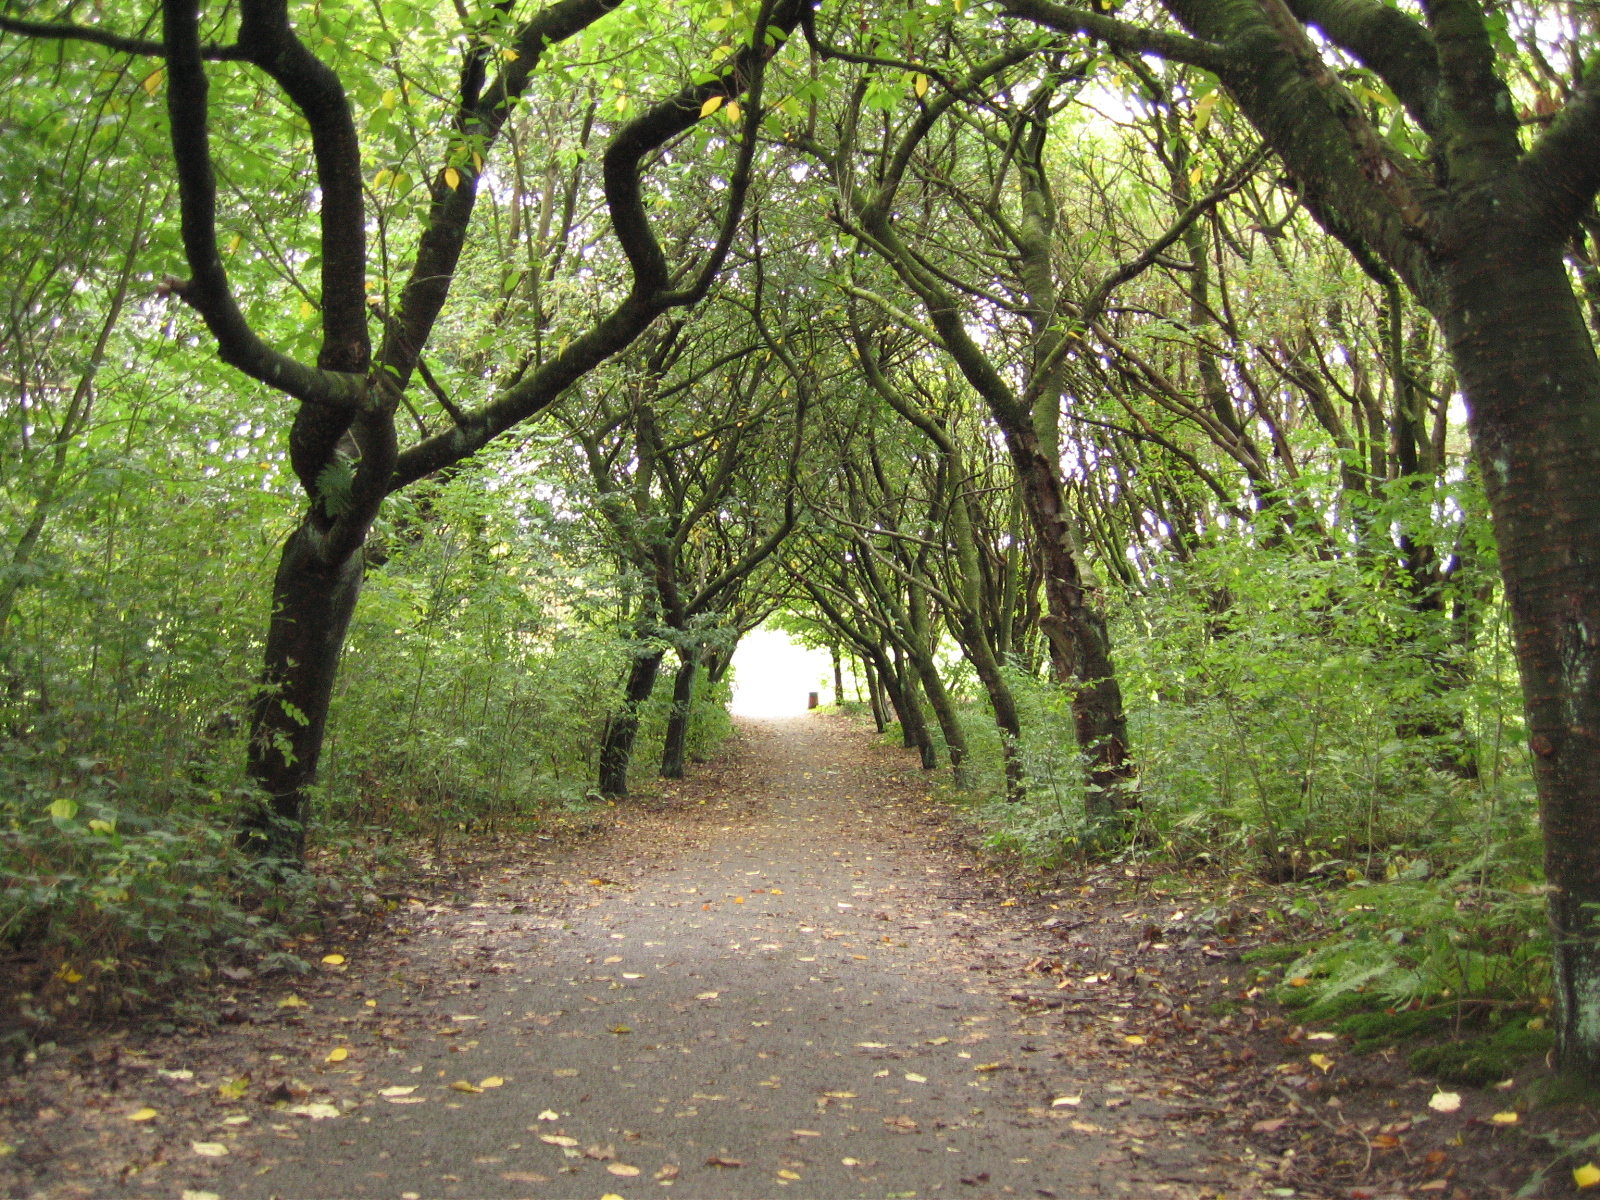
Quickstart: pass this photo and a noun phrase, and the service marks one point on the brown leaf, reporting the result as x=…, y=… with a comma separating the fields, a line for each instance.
x=1271, y=1126
x=901, y=1124
x=718, y=1160
x=668, y=1171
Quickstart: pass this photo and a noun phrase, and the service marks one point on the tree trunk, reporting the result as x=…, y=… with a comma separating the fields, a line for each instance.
x=311, y=608
x=874, y=694
x=616, y=752
x=913, y=724
x=1079, y=641
x=672, y=753
x=1527, y=367
x=944, y=709
x=838, y=677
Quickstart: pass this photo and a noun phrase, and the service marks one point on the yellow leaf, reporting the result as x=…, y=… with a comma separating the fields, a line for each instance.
x=509, y=55
x=1505, y=1118
x=461, y=1085
x=477, y=161
x=1203, y=109
x=777, y=891
x=1322, y=1062
x=209, y=1149
x=234, y=242
x=233, y=1089
x=307, y=310
x=452, y=178
x=611, y=1196
x=1133, y=1039
x=994, y=1066
x=1586, y=1176
x=398, y=1090
x=738, y=899
x=292, y=1001
x=733, y=110
x=142, y=1114
x=787, y=1174
x=491, y=1082
x=390, y=99
x=337, y=1054
x=68, y=975
x=333, y=960
x=920, y=86
x=1299, y=981
x=620, y=1029
x=153, y=80
x=622, y=1169
x=710, y=106
x=1008, y=904
x=1194, y=175
x=557, y=1139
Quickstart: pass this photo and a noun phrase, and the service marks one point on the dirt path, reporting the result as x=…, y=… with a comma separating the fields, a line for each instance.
x=786, y=999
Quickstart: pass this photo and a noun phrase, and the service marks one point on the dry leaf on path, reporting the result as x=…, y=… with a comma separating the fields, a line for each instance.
x=718, y=1160
x=667, y=1171
x=143, y=1114
x=558, y=1139
x=901, y=1124
x=1505, y=1118
x=1445, y=1102
x=1272, y=1126
x=317, y=1112
x=398, y=1090
x=622, y=1169
x=337, y=1055
x=471, y=1089
x=208, y=1149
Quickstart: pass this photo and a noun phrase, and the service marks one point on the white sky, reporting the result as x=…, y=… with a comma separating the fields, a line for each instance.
x=771, y=675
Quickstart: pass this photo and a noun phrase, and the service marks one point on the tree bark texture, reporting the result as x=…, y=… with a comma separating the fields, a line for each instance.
x=616, y=752
x=683, y=696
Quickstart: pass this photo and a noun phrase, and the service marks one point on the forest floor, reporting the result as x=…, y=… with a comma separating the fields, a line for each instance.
x=790, y=975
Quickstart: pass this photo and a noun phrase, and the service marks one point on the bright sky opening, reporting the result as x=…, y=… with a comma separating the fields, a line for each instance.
x=772, y=675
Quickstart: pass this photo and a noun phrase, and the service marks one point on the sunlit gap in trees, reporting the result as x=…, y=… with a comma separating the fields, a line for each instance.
x=773, y=675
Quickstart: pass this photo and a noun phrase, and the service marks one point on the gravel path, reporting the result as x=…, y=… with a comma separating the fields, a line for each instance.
x=794, y=991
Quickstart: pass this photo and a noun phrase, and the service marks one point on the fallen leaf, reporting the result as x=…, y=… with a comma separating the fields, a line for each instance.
x=564, y=1072
x=1586, y=1176
x=938, y=1041
x=841, y=1095
x=901, y=1124
x=1434, y=1185
x=524, y=1177
x=717, y=1160
x=292, y=1001
x=471, y=1089
x=233, y=1089
x=620, y=1029
x=787, y=1174
x=397, y=1090
x=805, y=1132
x=188, y=1194
x=775, y=891
x=667, y=1171
x=1322, y=1037
x=1008, y=904
x=557, y=1139
x=615, y=958
x=337, y=1054
x=1445, y=1102
x=1386, y=1141
x=1085, y=1127
x=851, y=1162
x=622, y=1169
x=707, y=996
x=1066, y=1102
x=333, y=960
x=1322, y=1062
x=913, y=1077
x=236, y=1119
x=1271, y=1126
x=549, y=1114
x=601, y=1153
x=142, y=1114
x=1133, y=1039
x=994, y=1066
x=625, y=975
x=209, y=1149
x=1505, y=1118
x=317, y=1112
x=407, y=1099
x=873, y=1045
